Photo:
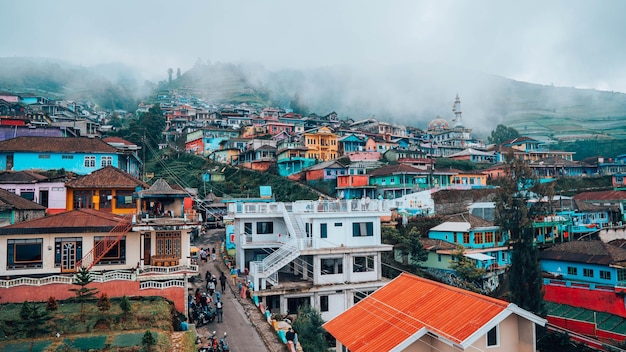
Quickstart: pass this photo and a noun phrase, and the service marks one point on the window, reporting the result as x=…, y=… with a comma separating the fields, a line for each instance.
x=493, y=339
x=28, y=194
x=25, y=253
x=338, y=224
x=323, y=231
x=498, y=236
x=67, y=157
x=83, y=199
x=505, y=257
x=106, y=161
x=489, y=237
x=323, y=303
x=90, y=161
x=362, y=229
x=44, y=156
x=588, y=272
x=265, y=227
x=359, y=295
x=124, y=199
x=247, y=228
x=621, y=274
x=363, y=264
x=478, y=238
x=115, y=255
x=439, y=257
x=332, y=266
x=604, y=274
x=572, y=270
x=466, y=237
x=168, y=244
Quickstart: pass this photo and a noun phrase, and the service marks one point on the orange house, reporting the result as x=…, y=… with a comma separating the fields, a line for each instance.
x=322, y=145
x=108, y=189
x=352, y=181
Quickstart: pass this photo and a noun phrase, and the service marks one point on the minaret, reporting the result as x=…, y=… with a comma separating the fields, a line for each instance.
x=456, y=108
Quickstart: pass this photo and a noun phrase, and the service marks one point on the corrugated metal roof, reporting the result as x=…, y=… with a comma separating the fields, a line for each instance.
x=410, y=306
x=452, y=227
x=79, y=218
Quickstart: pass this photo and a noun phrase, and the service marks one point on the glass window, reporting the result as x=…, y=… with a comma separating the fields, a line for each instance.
x=331, y=266
x=363, y=264
x=323, y=231
x=323, y=303
x=489, y=237
x=362, y=229
x=90, y=161
x=359, y=295
x=588, y=272
x=572, y=270
x=478, y=238
x=124, y=199
x=168, y=244
x=25, y=253
x=106, y=161
x=621, y=274
x=466, y=237
x=247, y=228
x=115, y=255
x=604, y=274
x=492, y=337
x=264, y=227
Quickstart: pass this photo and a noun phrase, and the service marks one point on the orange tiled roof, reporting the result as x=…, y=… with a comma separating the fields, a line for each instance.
x=107, y=177
x=409, y=306
x=79, y=218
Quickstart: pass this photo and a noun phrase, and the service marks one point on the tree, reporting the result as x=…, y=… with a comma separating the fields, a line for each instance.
x=464, y=267
x=308, y=326
x=148, y=341
x=104, y=303
x=125, y=305
x=84, y=293
x=170, y=71
x=513, y=217
x=33, y=322
x=52, y=304
x=502, y=134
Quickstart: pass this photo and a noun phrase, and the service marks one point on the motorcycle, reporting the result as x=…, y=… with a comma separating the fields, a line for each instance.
x=211, y=345
x=202, y=317
x=223, y=344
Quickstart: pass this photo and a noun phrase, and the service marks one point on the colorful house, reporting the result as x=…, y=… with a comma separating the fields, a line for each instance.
x=411, y=313
x=15, y=209
x=46, y=191
x=80, y=155
x=321, y=144
x=328, y=170
x=109, y=189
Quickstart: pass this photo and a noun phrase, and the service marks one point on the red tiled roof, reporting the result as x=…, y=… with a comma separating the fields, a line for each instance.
x=117, y=140
x=410, y=306
x=601, y=195
x=107, y=177
x=395, y=169
x=56, y=144
x=75, y=218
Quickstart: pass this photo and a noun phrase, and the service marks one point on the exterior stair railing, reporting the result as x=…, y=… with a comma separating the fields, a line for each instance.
x=101, y=248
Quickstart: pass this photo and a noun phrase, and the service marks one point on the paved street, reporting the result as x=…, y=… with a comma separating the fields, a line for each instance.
x=243, y=333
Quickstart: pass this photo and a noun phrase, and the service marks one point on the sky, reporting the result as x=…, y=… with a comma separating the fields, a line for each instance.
x=573, y=43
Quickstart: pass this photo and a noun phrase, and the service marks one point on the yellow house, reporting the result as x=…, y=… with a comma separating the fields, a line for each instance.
x=469, y=178
x=108, y=189
x=322, y=145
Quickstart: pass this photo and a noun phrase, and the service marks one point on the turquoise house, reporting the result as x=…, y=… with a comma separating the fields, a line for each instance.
x=80, y=155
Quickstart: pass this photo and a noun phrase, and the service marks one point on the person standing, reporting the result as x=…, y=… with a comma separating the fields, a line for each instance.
x=220, y=313
x=203, y=255
x=223, y=281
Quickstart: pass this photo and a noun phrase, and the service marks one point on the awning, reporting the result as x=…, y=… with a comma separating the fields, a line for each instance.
x=479, y=256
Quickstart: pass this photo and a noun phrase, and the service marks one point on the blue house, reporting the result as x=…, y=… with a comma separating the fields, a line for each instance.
x=592, y=262
x=351, y=143
x=80, y=155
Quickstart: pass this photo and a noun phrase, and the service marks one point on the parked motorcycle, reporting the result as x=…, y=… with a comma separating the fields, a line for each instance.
x=201, y=317
x=211, y=345
x=223, y=344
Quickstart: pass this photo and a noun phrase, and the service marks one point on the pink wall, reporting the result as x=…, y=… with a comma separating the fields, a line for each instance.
x=120, y=288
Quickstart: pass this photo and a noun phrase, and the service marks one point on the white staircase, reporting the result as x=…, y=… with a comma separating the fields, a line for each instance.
x=268, y=268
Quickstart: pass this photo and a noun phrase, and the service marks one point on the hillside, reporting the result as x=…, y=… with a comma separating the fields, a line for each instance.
x=408, y=94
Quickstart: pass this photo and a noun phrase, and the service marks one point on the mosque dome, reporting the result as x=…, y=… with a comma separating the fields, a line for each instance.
x=438, y=124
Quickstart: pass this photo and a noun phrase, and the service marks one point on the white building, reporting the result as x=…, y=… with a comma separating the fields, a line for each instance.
x=324, y=253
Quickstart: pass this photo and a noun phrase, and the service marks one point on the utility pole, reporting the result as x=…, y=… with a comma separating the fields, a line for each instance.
x=143, y=174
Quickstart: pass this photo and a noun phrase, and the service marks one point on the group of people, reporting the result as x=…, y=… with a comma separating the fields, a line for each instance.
x=204, y=255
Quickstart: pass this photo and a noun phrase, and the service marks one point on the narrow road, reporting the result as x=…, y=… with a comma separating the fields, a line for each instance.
x=243, y=332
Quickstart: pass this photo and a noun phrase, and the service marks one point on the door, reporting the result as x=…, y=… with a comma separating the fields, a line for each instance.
x=10, y=162
x=146, y=249
x=43, y=198
x=68, y=256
